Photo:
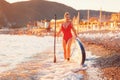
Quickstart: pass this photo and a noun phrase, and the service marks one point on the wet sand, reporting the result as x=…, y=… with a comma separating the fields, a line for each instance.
x=109, y=60
x=108, y=63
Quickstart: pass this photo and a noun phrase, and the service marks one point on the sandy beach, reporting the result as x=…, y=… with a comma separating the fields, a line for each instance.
x=106, y=45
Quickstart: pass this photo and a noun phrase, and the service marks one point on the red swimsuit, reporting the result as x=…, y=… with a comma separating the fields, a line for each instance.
x=67, y=32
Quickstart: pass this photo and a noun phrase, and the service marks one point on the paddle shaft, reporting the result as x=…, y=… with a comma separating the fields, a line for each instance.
x=55, y=41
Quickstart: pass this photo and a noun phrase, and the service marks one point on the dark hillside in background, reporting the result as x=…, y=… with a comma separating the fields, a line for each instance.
x=22, y=12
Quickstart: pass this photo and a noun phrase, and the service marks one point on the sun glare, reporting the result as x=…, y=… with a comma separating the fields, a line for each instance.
x=13, y=1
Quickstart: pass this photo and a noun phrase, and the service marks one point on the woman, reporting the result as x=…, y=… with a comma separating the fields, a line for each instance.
x=66, y=28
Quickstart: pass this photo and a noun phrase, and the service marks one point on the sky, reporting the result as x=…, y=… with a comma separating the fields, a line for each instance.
x=12, y=1
x=106, y=5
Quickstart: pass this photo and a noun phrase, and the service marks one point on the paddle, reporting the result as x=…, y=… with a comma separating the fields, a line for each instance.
x=55, y=41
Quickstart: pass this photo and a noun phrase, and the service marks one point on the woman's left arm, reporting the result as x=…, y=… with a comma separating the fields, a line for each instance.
x=74, y=31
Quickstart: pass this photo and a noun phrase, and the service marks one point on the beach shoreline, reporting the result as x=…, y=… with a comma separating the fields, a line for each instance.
x=108, y=61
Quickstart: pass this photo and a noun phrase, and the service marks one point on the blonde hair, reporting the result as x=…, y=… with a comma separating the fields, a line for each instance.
x=66, y=13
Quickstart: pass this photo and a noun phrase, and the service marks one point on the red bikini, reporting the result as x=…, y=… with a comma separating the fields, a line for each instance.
x=67, y=32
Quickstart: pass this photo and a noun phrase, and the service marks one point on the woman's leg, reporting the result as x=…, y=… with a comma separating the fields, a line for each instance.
x=64, y=47
x=68, y=48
